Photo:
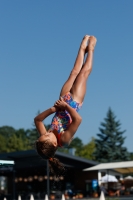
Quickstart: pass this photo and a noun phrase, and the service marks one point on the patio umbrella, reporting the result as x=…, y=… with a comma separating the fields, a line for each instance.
x=128, y=181
x=108, y=178
x=128, y=178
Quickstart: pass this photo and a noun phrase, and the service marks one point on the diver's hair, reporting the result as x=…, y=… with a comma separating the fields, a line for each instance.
x=46, y=150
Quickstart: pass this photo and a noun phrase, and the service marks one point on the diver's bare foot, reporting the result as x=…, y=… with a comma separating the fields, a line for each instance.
x=84, y=42
x=92, y=43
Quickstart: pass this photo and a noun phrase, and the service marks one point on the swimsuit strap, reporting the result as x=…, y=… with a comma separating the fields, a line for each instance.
x=58, y=136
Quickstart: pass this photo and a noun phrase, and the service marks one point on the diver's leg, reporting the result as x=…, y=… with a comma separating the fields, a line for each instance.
x=79, y=87
x=77, y=67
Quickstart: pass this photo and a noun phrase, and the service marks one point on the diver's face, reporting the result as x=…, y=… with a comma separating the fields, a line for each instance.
x=49, y=136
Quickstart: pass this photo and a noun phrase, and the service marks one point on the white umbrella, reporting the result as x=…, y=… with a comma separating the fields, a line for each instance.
x=128, y=178
x=108, y=178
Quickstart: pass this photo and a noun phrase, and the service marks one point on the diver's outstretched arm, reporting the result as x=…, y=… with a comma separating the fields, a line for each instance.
x=39, y=118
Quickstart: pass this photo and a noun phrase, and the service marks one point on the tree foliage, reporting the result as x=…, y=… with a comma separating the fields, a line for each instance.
x=109, y=146
x=88, y=150
x=77, y=144
x=81, y=150
x=17, y=140
x=131, y=156
x=13, y=140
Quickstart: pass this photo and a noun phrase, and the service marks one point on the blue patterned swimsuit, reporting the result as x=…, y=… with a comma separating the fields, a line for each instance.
x=62, y=119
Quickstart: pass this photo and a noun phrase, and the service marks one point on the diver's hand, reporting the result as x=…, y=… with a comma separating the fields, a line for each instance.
x=61, y=104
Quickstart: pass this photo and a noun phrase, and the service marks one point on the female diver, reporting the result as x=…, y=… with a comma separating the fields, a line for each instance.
x=66, y=119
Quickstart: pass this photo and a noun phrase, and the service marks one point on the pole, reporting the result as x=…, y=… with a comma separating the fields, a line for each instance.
x=14, y=188
x=108, y=179
x=48, y=178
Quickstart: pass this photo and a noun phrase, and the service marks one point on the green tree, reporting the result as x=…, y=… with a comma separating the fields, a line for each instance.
x=84, y=151
x=2, y=143
x=109, y=146
x=88, y=150
x=16, y=143
x=131, y=156
x=13, y=140
x=76, y=144
x=33, y=135
x=7, y=131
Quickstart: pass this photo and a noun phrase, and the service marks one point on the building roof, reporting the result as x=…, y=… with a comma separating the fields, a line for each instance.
x=122, y=167
x=30, y=158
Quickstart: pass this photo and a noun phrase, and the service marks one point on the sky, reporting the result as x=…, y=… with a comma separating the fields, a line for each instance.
x=39, y=41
